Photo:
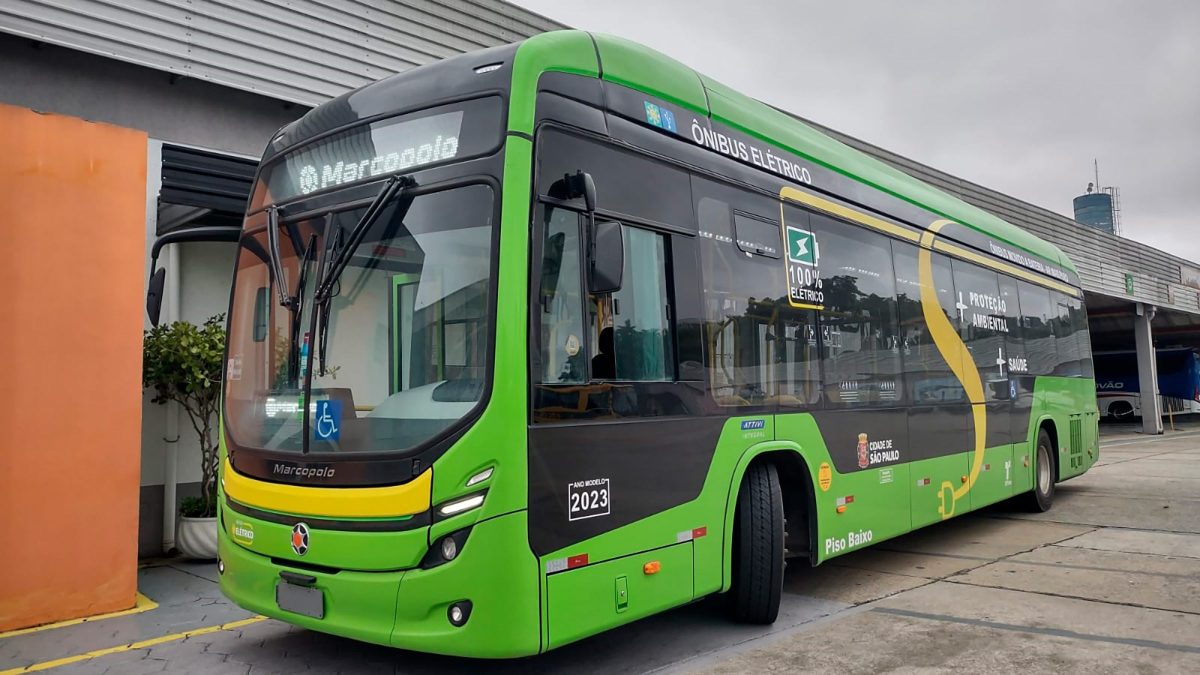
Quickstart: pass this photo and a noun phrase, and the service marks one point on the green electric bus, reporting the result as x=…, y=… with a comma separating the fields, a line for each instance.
x=542, y=339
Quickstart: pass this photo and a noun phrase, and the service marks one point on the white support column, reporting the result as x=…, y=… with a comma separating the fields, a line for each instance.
x=1147, y=369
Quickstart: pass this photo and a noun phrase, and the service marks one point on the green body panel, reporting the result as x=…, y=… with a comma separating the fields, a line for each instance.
x=495, y=571
x=560, y=51
x=995, y=477
x=359, y=605
x=632, y=65
x=595, y=598
x=362, y=551
x=407, y=609
x=498, y=438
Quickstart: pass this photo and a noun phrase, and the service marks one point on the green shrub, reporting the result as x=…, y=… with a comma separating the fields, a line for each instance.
x=183, y=362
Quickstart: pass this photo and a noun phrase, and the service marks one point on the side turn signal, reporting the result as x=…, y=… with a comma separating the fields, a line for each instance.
x=652, y=567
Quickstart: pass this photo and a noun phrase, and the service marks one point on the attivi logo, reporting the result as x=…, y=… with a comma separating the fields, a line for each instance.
x=753, y=424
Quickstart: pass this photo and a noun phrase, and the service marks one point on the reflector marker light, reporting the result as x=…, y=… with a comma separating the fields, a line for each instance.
x=560, y=564
x=922, y=482
x=652, y=567
x=848, y=499
x=987, y=467
x=688, y=535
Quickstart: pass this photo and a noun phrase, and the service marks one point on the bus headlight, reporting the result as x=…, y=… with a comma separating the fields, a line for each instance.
x=453, y=508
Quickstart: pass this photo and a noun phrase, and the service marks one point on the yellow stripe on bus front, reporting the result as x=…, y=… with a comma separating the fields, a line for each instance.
x=366, y=502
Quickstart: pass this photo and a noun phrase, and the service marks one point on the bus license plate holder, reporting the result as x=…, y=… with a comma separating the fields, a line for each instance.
x=304, y=600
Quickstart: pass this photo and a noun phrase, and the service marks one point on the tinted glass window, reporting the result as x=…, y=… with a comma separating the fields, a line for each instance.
x=626, y=182
x=858, y=325
x=984, y=325
x=631, y=336
x=928, y=377
x=760, y=237
x=1079, y=324
x=760, y=350
x=1018, y=362
x=1071, y=334
x=1037, y=317
x=560, y=340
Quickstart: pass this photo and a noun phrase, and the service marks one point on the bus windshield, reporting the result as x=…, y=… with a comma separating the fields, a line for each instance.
x=398, y=352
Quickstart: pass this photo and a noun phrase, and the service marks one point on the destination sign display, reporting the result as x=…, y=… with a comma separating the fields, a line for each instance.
x=381, y=148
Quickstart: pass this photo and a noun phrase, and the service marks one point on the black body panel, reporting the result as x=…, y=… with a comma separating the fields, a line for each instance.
x=651, y=466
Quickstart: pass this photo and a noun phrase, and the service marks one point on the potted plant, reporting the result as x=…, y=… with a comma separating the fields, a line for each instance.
x=182, y=362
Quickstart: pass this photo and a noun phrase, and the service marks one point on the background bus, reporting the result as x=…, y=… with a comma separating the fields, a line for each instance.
x=1118, y=389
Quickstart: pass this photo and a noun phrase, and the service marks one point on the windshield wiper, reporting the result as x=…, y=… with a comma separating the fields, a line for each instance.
x=296, y=304
x=276, y=259
x=322, y=307
x=394, y=186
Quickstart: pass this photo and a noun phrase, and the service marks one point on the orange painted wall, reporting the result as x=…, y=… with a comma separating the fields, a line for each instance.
x=72, y=254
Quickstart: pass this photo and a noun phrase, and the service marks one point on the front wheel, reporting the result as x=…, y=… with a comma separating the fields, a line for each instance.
x=758, y=547
x=1042, y=496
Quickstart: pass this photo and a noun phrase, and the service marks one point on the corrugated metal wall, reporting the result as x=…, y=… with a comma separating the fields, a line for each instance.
x=1102, y=259
x=307, y=51
x=303, y=51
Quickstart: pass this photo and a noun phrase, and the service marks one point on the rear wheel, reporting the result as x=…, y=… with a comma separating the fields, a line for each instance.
x=1042, y=496
x=758, y=547
x=1121, y=410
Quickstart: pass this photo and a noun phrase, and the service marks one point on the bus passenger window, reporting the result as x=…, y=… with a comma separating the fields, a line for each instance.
x=1037, y=329
x=560, y=342
x=985, y=326
x=930, y=380
x=630, y=329
x=744, y=292
x=860, y=338
x=1071, y=332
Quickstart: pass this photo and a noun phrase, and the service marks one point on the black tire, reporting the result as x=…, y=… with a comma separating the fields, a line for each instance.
x=758, y=547
x=1042, y=496
x=1121, y=411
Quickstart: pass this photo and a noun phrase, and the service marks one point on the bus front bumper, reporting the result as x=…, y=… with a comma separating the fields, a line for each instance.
x=409, y=609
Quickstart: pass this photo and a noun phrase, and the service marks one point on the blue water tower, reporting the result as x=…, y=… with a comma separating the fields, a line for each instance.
x=1095, y=209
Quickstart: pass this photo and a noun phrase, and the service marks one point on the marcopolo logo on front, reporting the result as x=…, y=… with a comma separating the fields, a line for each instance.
x=303, y=470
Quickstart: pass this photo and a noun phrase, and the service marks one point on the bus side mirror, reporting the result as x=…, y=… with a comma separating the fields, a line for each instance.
x=607, y=257
x=154, y=292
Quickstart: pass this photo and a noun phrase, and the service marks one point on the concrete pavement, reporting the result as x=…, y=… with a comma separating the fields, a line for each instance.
x=1107, y=581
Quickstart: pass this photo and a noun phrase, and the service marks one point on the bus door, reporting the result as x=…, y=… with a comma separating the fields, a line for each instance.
x=989, y=329
x=939, y=412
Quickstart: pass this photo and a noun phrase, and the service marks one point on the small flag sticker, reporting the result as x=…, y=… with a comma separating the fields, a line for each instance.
x=660, y=117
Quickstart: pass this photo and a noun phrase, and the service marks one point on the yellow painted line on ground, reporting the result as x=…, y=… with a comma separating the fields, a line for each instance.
x=97, y=653
x=143, y=604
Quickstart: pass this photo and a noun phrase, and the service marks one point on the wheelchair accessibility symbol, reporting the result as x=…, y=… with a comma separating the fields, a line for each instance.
x=327, y=423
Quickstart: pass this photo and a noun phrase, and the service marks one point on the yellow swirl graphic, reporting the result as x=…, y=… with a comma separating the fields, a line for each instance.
x=952, y=349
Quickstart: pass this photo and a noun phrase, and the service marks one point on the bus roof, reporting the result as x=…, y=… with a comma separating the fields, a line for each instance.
x=633, y=65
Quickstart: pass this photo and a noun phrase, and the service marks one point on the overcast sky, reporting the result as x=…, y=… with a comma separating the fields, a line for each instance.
x=1016, y=95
